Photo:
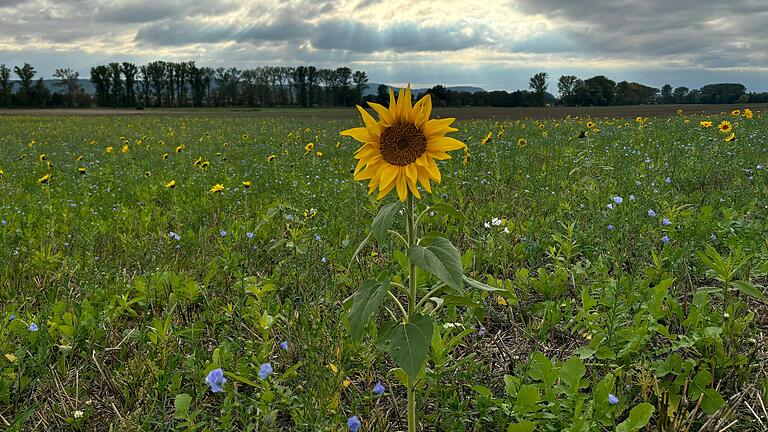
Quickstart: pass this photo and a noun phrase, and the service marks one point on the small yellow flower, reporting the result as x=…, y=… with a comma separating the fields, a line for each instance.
x=346, y=383
x=218, y=187
x=333, y=368
x=501, y=300
x=725, y=126
x=108, y=149
x=170, y=184
x=124, y=149
x=487, y=138
x=271, y=158
x=731, y=137
x=319, y=154
x=11, y=358
x=747, y=113
x=705, y=124
x=45, y=179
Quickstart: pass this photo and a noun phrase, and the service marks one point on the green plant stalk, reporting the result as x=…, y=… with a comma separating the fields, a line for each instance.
x=411, y=228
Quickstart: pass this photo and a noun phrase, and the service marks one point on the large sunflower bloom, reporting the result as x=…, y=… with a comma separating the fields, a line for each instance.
x=400, y=149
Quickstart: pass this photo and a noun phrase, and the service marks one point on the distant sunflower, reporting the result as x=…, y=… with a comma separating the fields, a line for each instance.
x=521, y=142
x=42, y=158
x=218, y=187
x=590, y=124
x=748, y=113
x=108, y=149
x=736, y=112
x=705, y=124
x=487, y=138
x=81, y=170
x=124, y=149
x=79, y=158
x=319, y=154
x=246, y=184
x=165, y=156
x=170, y=184
x=45, y=179
x=680, y=112
x=205, y=164
x=180, y=148
x=147, y=173
x=731, y=137
x=400, y=149
x=309, y=147
x=725, y=126
x=271, y=158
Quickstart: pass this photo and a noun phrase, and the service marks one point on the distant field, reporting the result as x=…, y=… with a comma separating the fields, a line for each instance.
x=477, y=113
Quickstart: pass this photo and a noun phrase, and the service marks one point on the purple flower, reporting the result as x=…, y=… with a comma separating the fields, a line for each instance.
x=33, y=327
x=613, y=400
x=284, y=345
x=216, y=379
x=666, y=222
x=249, y=235
x=265, y=370
x=651, y=213
x=12, y=317
x=223, y=233
x=317, y=237
x=378, y=389
x=353, y=423
x=618, y=199
x=665, y=239
x=610, y=206
x=610, y=227
x=667, y=180
x=713, y=237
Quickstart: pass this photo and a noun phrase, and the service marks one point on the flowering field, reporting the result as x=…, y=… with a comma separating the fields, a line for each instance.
x=195, y=273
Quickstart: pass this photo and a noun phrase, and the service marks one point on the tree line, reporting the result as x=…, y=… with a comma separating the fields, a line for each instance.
x=597, y=91
x=184, y=84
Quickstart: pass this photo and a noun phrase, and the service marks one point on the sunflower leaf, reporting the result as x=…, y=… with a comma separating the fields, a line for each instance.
x=365, y=302
x=441, y=259
x=383, y=221
x=408, y=343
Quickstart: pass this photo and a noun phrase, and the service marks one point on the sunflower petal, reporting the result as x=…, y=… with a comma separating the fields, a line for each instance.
x=445, y=144
x=385, y=116
x=361, y=134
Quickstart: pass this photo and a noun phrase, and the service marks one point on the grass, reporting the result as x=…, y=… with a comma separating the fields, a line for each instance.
x=593, y=300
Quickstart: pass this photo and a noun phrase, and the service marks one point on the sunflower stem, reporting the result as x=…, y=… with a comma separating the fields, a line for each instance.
x=411, y=227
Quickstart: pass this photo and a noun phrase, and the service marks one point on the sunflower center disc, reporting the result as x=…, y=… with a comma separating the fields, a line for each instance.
x=402, y=144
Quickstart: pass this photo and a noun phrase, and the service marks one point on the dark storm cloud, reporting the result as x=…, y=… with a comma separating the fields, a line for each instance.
x=700, y=32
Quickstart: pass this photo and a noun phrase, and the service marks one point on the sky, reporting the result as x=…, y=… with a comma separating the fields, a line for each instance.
x=496, y=45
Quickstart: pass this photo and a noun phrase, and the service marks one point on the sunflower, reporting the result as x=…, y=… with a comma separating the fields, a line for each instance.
x=680, y=112
x=639, y=119
x=590, y=124
x=197, y=161
x=521, y=142
x=205, y=165
x=725, y=126
x=218, y=187
x=245, y=137
x=309, y=147
x=319, y=154
x=108, y=149
x=42, y=158
x=731, y=137
x=147, y=173
x=171, y=184
x=45, y=179
x=165, y=156
x=246, y=184
x=487, y=138
x=747, y=113
x=81, y=170
x=736, y=112
x=271, y=158
x=705, y=124
x=400, y=149
x=180, y=148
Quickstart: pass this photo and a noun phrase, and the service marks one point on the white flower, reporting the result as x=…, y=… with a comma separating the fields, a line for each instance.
x=77, y=414
x=496, y=221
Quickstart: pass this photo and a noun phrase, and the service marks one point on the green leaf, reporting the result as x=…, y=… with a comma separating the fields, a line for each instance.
x=181, y=406
x=365, y=302
x=441, y=259
x=638, y=418
x=543, y=370
x=481, y=286
x=750, y=290
x=482, y=390
x=383, y=221
x=712, y=401
x=572, y=372
x=448, y=209
x=523, y=426
x=527, y=399
x=408, y=343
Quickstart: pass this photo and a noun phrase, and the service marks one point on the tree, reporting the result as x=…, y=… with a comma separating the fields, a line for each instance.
x=156, y=74
x=566, y=86
x=382, y=95
x=601, y=90
x=129, y=72
x=70, y=81
x=5, y=85
x=679, y=94
x=360, y=79
x=100, y=77
x=666, y=94
x=117, y=83
x=538, y=83
x=26, y=74
x=723, y=93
